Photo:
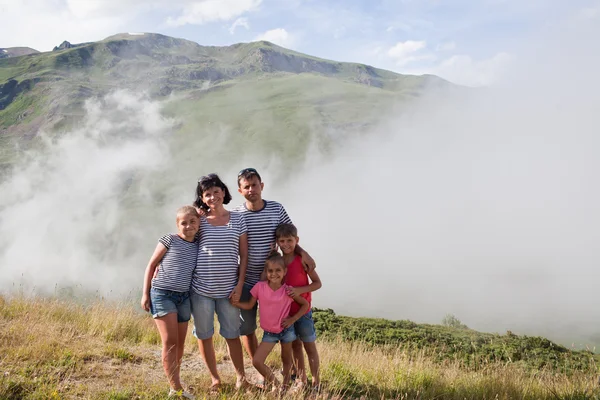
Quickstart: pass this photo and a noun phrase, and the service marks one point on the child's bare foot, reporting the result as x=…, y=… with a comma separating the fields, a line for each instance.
x=298, y=386
x=215, y=387
x=242, y=383
x=281, y=390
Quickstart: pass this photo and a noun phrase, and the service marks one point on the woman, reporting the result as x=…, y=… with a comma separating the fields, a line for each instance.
x=219, y=276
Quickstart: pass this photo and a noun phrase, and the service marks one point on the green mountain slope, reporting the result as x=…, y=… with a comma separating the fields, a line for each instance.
x=255, y=89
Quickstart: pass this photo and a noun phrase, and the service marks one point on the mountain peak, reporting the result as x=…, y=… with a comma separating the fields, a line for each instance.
x=16, y=51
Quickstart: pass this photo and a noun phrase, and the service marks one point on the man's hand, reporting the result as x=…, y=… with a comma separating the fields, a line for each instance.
x=308, y=262
x=145, y=303
x=287, y=322
x=293, y=292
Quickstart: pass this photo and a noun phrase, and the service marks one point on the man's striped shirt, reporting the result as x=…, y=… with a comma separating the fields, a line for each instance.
x=261, y=235
x=177, y=266
x=217, y=265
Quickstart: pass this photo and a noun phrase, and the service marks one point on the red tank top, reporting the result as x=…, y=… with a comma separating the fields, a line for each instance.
x=296, y=276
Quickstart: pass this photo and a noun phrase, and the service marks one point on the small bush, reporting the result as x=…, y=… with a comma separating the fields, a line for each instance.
x=452, y=322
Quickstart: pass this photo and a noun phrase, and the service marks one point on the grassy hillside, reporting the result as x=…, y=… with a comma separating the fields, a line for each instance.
x=56, y=349
x=257, y=90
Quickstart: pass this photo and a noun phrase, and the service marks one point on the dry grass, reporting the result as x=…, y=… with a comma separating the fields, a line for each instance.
x=54, y=349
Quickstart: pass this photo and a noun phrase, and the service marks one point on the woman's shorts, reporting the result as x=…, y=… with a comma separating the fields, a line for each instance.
x=305, y=328
x=288, y=335
x=204, y=309
x=163, y=302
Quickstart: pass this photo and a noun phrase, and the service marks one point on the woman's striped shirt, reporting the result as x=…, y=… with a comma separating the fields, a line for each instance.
x=177, y=266
x=217, y=264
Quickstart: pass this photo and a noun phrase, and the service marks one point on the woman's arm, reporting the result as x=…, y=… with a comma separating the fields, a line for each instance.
x=315, y=284
x=157, y=256
x=237, y=291
x=245, y=305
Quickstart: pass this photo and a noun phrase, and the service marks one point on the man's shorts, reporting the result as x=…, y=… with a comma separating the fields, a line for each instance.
x=163, y=302
x=248, y=317
x=288, y=335
x=305, y=328
x=203, y=311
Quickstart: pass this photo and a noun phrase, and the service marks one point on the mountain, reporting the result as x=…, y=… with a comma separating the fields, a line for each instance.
x=205, y=84
x=16, y=51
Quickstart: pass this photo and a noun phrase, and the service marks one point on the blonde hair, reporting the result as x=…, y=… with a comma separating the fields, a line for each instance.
x=187, y=210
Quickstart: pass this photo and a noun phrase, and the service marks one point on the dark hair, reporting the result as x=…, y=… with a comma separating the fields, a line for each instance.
x=208, y=182
x=275, y=258
x=247, y=174
x=286, y=230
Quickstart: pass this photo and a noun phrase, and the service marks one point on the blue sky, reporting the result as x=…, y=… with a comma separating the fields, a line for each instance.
x=468, y=42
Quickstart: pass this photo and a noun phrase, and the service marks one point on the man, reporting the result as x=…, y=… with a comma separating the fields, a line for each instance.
x=262, y=219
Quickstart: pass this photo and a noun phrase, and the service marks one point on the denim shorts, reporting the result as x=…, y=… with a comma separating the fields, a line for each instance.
x=163, y=302
x=204, y=309
x=288, y=335
x=248, y=316
x=305, y=328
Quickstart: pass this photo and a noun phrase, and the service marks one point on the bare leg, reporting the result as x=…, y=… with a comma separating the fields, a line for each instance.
x=313, y=362
x=263, y=350
x=169, y=330
x=299, y=361
x=183, y=327
x=207, y=351
x=250, y=344
x=237, y=358
x=286, y=360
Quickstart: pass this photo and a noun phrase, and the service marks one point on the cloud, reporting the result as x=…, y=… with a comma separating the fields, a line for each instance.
x=400, y=26
x=448, y=46
x=406, y=52
x=278, y=36
x=84, y=178
x=49, y=24
x=462, y=69
x=239, y=22
x=201, y=12
x=94, y=9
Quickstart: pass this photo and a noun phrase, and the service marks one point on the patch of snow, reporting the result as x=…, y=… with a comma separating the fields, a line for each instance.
x=135, y=33
x=6, y=51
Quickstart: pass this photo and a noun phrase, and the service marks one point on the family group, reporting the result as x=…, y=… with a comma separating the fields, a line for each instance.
x=233, y=263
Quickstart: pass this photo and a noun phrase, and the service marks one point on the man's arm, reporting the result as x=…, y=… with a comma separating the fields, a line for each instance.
x=307, y=260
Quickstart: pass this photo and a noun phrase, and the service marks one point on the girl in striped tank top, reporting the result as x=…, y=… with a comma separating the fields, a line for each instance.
x=167, y=295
